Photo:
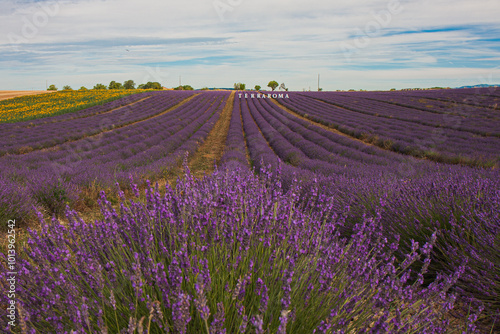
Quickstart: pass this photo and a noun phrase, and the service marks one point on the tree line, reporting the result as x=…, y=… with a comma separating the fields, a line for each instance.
x=129, y=84
x=273, y=84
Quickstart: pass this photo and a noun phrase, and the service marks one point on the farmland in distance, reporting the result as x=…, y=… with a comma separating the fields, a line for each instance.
x=10, y=94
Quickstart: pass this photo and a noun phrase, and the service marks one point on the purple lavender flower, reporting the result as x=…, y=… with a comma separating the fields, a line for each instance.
x=283, y=321
x=258, y=323
x=181, y=313
x=201, y=300
x=217, y=326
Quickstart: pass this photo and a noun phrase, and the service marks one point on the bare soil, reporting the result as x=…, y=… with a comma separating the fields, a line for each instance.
x=9, y=94
x=210, y=152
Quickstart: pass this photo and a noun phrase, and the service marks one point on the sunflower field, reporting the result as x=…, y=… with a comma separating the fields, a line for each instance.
x=44, y=105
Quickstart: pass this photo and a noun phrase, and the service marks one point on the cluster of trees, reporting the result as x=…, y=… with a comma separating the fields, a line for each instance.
x=129, y=84
x=273, y=84
x=184, y=87
x=239, y=86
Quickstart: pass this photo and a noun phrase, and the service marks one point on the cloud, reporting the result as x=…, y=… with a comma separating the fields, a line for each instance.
x=219, y=42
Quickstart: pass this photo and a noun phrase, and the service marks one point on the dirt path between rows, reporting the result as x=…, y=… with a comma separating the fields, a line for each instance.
x=212, y=149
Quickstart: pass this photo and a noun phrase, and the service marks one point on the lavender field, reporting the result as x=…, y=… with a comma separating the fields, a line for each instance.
x=324, y=212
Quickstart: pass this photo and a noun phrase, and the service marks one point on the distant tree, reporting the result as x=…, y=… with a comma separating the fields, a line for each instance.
x=129, y=84
x=115, y=85
x=257, y=87
x=319, y=89
x=185, y=87
x=393, y=89
x=83, y=88
x=100, y=86
x=52, y=87
x=273, y=84
x=152, y=85
x=205, y=88
x=239, y=86
x=156, y=85
x=141, y=86
x=67, y=88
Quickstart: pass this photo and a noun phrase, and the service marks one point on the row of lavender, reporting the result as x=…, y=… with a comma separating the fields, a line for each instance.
x=272, y=135
x=472, y=102
x=299, y=143
x=52, y=178
x=488, y=97
x=23, y=139
x=431, y=104
x=441, y=144
x=486, y=123
x=415, y=197
x=235, y=149
x=305, y=148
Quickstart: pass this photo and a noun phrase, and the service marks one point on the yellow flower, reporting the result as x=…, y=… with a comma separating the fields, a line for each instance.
x=50, y=104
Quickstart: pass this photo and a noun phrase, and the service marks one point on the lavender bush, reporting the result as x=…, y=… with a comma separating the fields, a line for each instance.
x=465, y=208
x=15, y=204
x=52, y=195
x=231, y=253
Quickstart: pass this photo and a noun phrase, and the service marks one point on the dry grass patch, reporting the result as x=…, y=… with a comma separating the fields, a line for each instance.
x=10, y=94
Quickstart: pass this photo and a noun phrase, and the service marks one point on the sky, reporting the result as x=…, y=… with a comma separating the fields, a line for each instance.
x=356, y=44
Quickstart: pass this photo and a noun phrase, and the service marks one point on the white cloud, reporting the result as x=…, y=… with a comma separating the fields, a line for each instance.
x=94, y=40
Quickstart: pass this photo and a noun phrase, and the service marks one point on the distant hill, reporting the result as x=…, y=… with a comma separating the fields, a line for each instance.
x=479, y=86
